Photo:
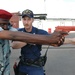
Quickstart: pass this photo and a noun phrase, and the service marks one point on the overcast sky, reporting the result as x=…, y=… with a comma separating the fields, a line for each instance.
x=53, y=8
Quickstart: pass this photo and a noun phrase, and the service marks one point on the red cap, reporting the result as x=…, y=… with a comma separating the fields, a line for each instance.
x=5, y=14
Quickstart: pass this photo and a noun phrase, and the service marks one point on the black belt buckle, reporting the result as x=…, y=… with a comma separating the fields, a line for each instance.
x=31, y=61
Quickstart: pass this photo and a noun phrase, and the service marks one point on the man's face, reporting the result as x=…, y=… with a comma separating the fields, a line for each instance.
x=27, y=22
x=4, y=25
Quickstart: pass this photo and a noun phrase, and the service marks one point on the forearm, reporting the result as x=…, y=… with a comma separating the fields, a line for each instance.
x=17, y=44
x=26, y=37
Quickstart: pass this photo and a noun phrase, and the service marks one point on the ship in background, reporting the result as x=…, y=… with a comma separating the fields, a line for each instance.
x=48, y=24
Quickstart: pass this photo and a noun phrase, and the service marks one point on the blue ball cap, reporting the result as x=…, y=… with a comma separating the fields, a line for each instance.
x=28, y=13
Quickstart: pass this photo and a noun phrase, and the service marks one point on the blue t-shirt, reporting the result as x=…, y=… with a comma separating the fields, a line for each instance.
x=32, y=51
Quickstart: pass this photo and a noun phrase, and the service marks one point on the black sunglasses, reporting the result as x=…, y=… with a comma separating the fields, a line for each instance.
x=3, y=24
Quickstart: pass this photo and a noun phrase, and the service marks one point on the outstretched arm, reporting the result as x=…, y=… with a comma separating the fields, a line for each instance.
x=55, y=38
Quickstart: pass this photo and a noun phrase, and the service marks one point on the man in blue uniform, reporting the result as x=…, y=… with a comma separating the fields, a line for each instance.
x=4, y=44
x=30, y=62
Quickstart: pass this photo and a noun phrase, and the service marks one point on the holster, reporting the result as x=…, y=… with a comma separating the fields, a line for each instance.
x=16, y=68
x=42, y=60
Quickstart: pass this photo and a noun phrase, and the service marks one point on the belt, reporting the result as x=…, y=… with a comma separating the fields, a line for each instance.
x=30, y=62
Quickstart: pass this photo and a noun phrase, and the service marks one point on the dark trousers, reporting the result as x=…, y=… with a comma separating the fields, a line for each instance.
x=21, y=73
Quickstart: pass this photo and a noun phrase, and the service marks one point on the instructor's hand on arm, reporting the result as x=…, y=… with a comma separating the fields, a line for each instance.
x=18, y=44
